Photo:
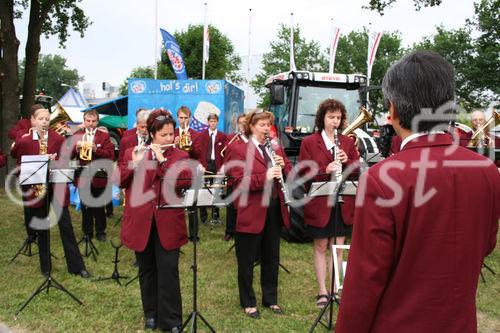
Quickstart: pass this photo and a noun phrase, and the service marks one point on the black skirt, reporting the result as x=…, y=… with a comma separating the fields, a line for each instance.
x=333, y=228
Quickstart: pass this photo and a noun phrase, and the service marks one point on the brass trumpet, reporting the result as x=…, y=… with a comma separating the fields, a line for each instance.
x=185, y=142
x=58, y=120
x=87, y=144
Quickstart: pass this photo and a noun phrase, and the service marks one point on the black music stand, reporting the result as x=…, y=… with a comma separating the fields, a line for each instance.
x=43, y=173
x=90, y=249
x=115, y=275
x=326, y=189
x=25, y=248
x=192, y=200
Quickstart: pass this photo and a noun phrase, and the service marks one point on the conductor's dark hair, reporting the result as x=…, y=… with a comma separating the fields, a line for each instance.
x=421, y=82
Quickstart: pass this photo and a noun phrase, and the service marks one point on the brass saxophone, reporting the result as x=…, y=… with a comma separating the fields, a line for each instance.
x=281, y=181
x=87, y=144
x=41, y=189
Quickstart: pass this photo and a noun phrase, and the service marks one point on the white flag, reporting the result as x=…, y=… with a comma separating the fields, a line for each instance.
x=206, y=43
x=292, y=51
x=373, y=41
x=333, y=47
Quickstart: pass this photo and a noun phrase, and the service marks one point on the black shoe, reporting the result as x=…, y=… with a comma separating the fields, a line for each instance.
x=101, y=237
x=150, y=324
x=84, y=274
x=173, y=330
x=254, y=315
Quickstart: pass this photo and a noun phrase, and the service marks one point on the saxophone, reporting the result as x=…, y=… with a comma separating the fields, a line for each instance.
x=40, y=189
x=185, y=142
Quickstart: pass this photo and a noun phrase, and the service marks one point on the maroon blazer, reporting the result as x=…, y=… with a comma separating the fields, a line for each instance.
x=251, y=179
x=104, y=150
x=22, y=127
x=414, y=265
x=227, y=153
x=126, y=143
x=137, y=221
x=313, y=148
x=200, y=150
x=129, y=132
x=3, y=159
x=27, y=146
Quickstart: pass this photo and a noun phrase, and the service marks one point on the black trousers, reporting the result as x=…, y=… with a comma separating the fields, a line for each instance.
x=159, y=280
x=215, y=210
x=91, y=214
x=248, y=247
x=29, y=231
x=74, y=260
x=231, y=215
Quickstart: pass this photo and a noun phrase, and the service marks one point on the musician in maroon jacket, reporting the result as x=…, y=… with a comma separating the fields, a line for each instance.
x=102, y=148
x=133, y=130
x=154, y=234
x=183, y=117
x=35, y=203
x=233, y=140
x=23, y=125
x=417, y=247
x=141, y=135
x=322, y=224
x=261, y=212
x=3, y=159
x=207, y=150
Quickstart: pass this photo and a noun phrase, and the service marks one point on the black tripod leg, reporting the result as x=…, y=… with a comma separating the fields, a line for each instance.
x=60, y=287
x=21, y=249
x=206, y=323
x=284, y=268
x=135, y=278
x=232, y=247
x=489, y=268
x=44, y=285
x=118, y=220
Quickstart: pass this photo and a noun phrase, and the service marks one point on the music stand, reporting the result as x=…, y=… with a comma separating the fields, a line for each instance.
x=115, y=275
x=39, y=167
x=328, y=188
x=193, y=199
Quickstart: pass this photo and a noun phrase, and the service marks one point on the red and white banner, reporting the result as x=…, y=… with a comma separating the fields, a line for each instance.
x=333, y=48
x=373, y=42
x=206, y=43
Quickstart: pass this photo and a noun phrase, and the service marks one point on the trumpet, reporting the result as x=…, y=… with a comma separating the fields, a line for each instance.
x=236, y=137
x=87, y=144
x=281, y=181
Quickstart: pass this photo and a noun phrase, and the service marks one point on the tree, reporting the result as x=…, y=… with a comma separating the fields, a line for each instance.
x=50, y=17
x=147, y=72
x=352, y=55
x=475, y=59
x=52, y=72
x=223, y=62
x=381, y=5
x=308, y=56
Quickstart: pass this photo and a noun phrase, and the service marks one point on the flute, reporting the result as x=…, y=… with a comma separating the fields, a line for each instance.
x=146, y=147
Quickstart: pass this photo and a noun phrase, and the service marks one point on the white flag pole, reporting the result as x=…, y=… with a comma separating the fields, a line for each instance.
x=292, y=52
x=249, y=50
x=204, y=44
x=156, y=39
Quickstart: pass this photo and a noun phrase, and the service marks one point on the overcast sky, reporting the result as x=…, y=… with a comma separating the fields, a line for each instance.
x=122, y=35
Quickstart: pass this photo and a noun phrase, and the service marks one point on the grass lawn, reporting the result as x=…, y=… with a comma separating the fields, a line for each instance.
x=110, y=308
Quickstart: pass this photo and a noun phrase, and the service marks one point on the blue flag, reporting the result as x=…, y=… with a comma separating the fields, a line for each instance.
x=174, y=54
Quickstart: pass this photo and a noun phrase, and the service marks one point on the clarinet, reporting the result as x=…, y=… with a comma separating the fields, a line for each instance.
x=338, y=173
x=281, y=181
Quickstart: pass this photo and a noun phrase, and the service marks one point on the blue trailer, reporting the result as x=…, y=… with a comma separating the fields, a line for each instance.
x=202, y=97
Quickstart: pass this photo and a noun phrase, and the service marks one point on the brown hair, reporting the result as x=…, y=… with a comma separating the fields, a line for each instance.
x=330, y=105
x=213, y=116
x=157, y=119
x=254, y=116
x=34, y=108
x=184, y=109
x=91, y=113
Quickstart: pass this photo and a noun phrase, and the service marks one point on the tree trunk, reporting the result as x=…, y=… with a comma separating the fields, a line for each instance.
x=31, y=60
x=9, y=79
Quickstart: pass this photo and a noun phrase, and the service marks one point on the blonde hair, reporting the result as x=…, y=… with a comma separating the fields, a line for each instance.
x=254, y=116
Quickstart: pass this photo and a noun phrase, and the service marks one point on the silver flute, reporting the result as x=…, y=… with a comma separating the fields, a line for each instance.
x=281, y=181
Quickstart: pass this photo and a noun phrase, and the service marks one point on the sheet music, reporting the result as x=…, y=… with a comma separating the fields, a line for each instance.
x=33, y=169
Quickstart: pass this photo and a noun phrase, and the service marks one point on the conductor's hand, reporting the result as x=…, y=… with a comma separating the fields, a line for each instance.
x=279, y=161
x=274, y=172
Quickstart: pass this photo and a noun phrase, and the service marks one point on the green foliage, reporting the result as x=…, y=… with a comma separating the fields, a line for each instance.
x=381, y=5
x=352, y=55
x=475, y=60
x=223, y=63
x=51, y=73
x=308, y=56
x=147, y=72
x=56, y=16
